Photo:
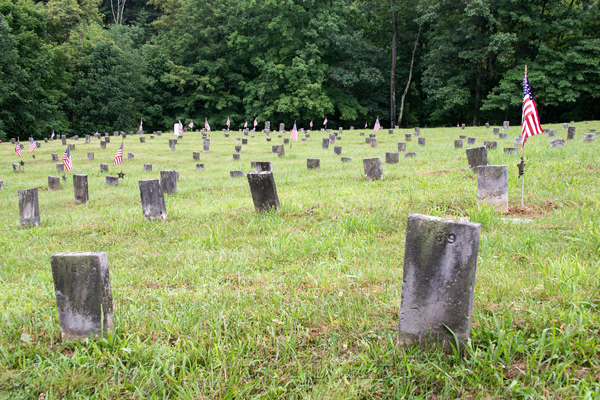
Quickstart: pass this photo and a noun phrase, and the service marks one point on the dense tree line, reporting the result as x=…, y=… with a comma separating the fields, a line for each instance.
x=77, y=66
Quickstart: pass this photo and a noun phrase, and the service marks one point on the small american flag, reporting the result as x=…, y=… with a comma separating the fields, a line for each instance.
x=52, y=136
x=206, y=125
x=325, y=121
x=228, y=122
x=66, y=159
x=294, y=133
x=18, y=149
x=31, y=145
x=119, y=156
x=245, y=124
x=366, y=124
x=530, y=122
x=180, y=127
x=311, y=124
x=191, y=124
x=255, y=122
x=377, y=126
x=140, y=125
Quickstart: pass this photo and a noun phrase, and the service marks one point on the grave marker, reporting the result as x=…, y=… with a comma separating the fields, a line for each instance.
x=168, y=181
x=80, y=186
x=511, y=151
x=29, y=207
x=313, y=163
x=112, y=181
x=337, y=150
x=172, y=143
x=90, y=155
x=477, y=156
x=401, y=146
x=373, y=168
x=53, y=183
x=103, y=167
x=199, y=167
x=392, y=158
x=264, y=191
x=571, y=133
x=492, y=186
x=147, y=167
x=422, y=141
x=236, y=174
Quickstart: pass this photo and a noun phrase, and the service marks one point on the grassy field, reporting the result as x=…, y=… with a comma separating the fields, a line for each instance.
x=219, y=302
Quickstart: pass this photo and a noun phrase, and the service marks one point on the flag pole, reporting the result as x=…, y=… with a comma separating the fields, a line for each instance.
x=522, y=167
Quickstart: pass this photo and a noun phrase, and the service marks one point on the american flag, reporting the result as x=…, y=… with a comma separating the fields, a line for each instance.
x=31, y=145
x=140, y=125
x=66, y=159
x=245, y=124
x=18, y=149
x=366, y=124
x=255, y=122
x=206, y=125
x=191, y=124
x=119, y=156
x=228, y=122
x=377, y=126
x=311, y=124
x=530, y=122
x=325, y=121
x=294, y=133
x=180, y=127
x=52, y=136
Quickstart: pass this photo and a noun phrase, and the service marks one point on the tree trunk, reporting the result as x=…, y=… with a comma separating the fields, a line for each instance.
x=412, y=64
x=478, y=92
x=393, y=73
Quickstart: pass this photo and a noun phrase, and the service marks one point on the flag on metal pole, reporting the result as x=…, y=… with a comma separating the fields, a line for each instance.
x=311, y=124
x=206, y=125
x=52, y=136
x=66, y=159
x=246, y=124
x=191, y=124
x=377, y=126
x=119, y=156
x=228, y=123
x=294, y=132
x=255, y=123
x=325, y=122
x=31, y=145
x=139, y=130
x=18, y=149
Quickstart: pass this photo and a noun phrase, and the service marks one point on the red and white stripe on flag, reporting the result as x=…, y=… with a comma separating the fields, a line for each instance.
x=66, y=159
x=119, y=156
x=294, y=133
x=530, y=120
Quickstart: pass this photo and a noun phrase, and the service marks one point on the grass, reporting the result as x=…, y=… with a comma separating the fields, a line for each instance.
x=221, y=302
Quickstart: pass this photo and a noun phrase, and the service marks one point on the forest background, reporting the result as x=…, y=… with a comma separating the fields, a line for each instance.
x=77, y=66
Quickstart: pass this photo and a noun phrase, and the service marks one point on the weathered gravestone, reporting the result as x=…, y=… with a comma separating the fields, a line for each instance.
x=401, y=146
x=458, y=144
x=236, y=156
x=571, y=133
x=313, y=163
x=196, y=155
x=589, y=137
x=87, y=138
x=64, y=140
x=90, y=155
x=103, y=144
x=440, y=263
x=130, y=156
x=281, y=127
x=199, y=167
x=463, y=126
x=552, y=133
x=565, y=125
x=245, y=141
x=153, y=199
x=463, y=137
x=506, y=125
x=496, y=131
x=1, y=185
x=17, y=167
x=107, y=139
x=392, y=158
x=331, y=138
x=492, y=186
x=518, y=141
x=71, y=147
x=168, y=181
x=83, y=294
x=471, y=140
x=54, y=157
x=422, y=141
x=337, y=150
x=511, y=151
x=390, y=131
x=490, y=144
x=410, y=155
x=373, y=142
x=238, y=148
x=112, y=181
x=80, y=187
x=147, y=167
x=368, y=140
x=407, y=137
x=60, y=167
x=279, y=149
x=53, y=183
x=172, y=143
x=346, y=159
x=373, y=168
x=29, y=207
x=417, y=131
x=286, y=141
x=477, y=156
x=264, y=191
x=103, y=167
x=487, y=125
x=557, y=143
x=236, y=174
x=206, y=146
x=502, y=135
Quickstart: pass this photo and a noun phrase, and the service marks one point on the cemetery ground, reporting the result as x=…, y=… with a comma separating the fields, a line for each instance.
x=218, y=301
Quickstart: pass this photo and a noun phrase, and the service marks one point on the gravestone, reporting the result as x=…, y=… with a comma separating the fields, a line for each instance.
x=368, y=140
x=557, y=143
x=54, y=157
x=410, y=155
x=372, y=135
x=337, y=150
x=407, y=137
x=281, y=127
x=83, y=294
x=103, y=167
x=471, y=140
x=571, y=133
x=552, y=133
x=103, y=144
x=64, y=140
x=511, y=151
x=22, y=146
x=107, y=139
x=268, y=139
x=112, y=180
x=463, y=126
x=361, y=134
x=38, y=145
x=340, y=130
x=496, y=131
x=147, y=167
x=196, y=155
x=346, y=159
x=168, y=181
x=502, y=135
x=267, y=126
x=1, y=185
x=401, y=146
x=392, y=158
x=565, y=125
x=236, y=156
x=487, y=125
x=589, y=137
x=490, y=144
x=87, y=139
x=236, y=174
x=286, y=141
x=517, y=141
x=339, y=138
x=53, y=183
x=152, y=137
x=17, y=167
x=263, y=190
x=506, y=125
x=29, y=207
x=172, y=143
x=303, y=139
x=142, y=139
x=13, y=141
x=440, y=263
x=477, y=156
x=130, y=156
x=199, y=167
x=90, y=155
x=492, y=186
x=373, y=142
x=463, y=137
x=390, y=131
x=238, y=148
x=331, y=138
x=60, y=167
x=71, y=147
x=80, y=186
x=458, y=144
x=422, y=141
x=417, y=131
x=45, y=140
x=313, y=163
x=373, y=168
x=245, y=141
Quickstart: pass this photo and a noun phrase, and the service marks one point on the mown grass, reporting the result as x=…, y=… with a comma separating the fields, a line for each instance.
x=220, y=302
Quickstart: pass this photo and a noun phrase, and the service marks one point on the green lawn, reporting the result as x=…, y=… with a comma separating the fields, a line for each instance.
x=220, y=302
